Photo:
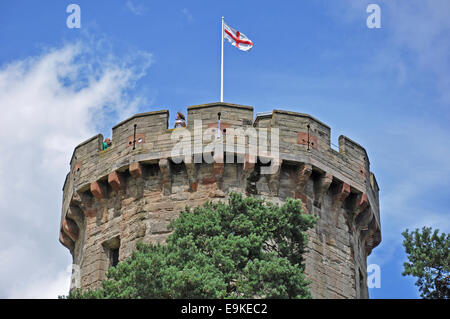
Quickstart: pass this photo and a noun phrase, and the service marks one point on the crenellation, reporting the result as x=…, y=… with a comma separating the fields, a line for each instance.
x=263, y=120
x=296, y=125
x=149, y=122
x=133, y=189
x=231, y=114
x=356, y=153
x=86, y=149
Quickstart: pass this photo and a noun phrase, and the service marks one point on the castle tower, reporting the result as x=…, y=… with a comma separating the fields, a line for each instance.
x=130, y=191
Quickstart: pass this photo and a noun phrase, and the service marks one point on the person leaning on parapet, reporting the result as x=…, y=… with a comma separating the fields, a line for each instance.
x=180, y=120
x=107, y=143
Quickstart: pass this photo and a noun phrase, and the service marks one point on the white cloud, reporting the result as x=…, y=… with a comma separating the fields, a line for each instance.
x=412, y=153
x=187, y=14
x=137, y=9
x=422, y=28
x=414, y=173
x=49, y=104
x=32, y=280
x=423, y=171
x=417, y=34
x=55, y=286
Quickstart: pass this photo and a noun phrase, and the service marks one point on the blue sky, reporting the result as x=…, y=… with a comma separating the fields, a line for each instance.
x=387, y=89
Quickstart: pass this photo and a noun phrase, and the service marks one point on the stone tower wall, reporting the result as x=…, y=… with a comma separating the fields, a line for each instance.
x=129, y=192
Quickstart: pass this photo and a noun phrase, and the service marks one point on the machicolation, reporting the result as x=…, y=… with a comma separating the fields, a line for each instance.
x=130, y=191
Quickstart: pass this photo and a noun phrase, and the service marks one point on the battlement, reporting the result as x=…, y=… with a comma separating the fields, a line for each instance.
x=305, y=167
x=149, y=122
x=298, y=132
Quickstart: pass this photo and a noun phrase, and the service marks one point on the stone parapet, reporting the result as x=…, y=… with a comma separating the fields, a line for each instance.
x=131, y=190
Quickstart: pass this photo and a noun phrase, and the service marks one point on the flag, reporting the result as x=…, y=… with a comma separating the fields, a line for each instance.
x=236, y=38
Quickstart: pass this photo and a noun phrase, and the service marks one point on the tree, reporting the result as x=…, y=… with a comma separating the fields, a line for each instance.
x=244, y=249
x=428, y=261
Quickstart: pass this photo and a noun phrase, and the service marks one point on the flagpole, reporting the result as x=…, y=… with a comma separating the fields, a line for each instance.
x=221, y=69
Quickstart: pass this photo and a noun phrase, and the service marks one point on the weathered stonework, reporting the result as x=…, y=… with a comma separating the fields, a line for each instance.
x=116, y=197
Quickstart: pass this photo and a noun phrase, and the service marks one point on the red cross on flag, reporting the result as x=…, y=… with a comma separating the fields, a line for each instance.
x=236, y=38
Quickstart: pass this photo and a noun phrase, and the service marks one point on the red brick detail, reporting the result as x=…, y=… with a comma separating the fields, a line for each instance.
x=194, y=186
x=249, y=163
x=223, y=125
x=76, y=167
x=98, y=190
x=208, y=180
x=338, y=200
x=218, y=165
x=304, y=172
x=362, y=171
x=165, y=182
x=164, y=166
x=140, y=139
x=65, y=240
x=70, y=228
x=304, y=199
x=340, y=196
x=324, y=184
x=344, y=191
x=90, y=212
x=363, y=202
x=136, y=169
x=303, y=140
x=219, y=168
x=117, y=181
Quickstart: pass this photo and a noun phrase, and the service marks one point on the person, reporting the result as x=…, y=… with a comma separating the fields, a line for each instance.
x=180, y=120
x=107, y=143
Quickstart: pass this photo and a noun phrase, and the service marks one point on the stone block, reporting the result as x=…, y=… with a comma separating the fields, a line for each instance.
x=116, y=181
x=135, y=169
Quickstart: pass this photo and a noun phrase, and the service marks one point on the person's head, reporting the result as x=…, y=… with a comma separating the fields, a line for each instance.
x=180, y=116
x=108, y=141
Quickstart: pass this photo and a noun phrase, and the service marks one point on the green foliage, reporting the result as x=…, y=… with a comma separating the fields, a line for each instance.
x=244, y=249
x=428, y=261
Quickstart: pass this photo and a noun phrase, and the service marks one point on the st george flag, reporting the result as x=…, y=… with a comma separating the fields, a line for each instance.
x=236, y=38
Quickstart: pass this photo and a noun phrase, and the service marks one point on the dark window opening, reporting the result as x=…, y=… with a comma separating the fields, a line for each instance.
x=111, y=249
x=114, y=256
